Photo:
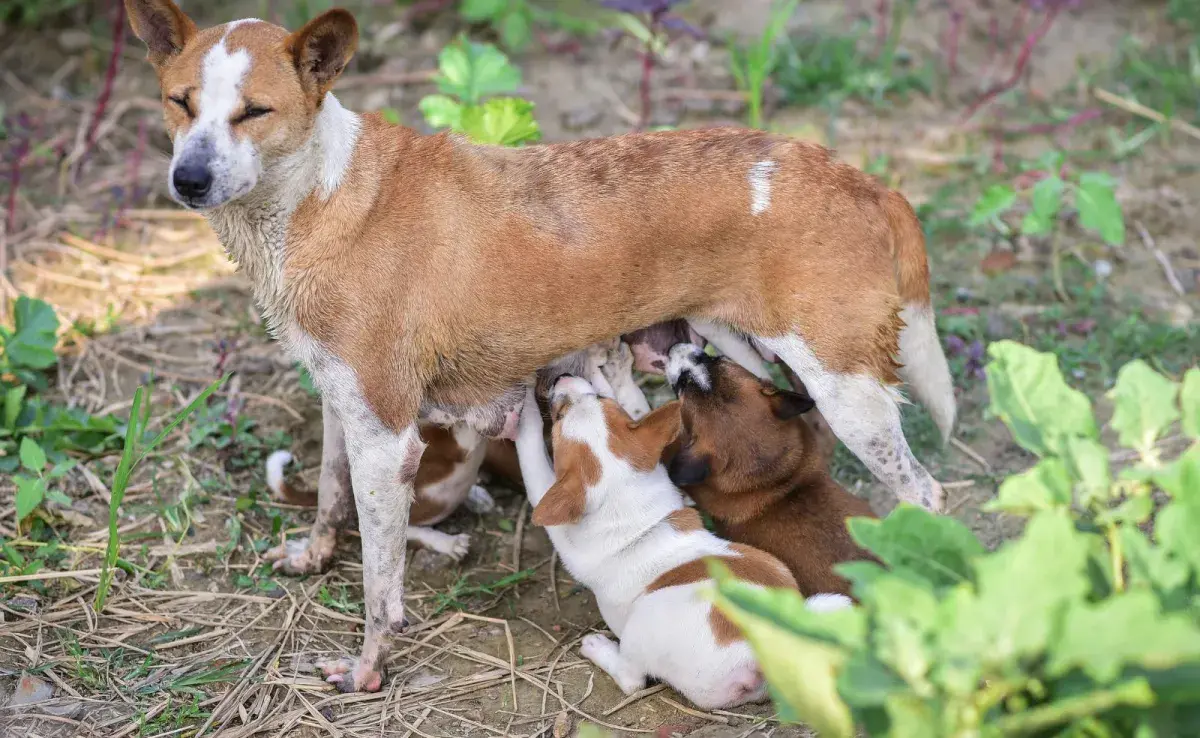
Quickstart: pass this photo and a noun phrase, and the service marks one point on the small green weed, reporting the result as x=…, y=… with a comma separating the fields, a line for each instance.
x=453, y=599
x=753, y=64
x=175, y=718
x=515, y=21
x=1164, y=76
x=339, y=601
x=828, y=69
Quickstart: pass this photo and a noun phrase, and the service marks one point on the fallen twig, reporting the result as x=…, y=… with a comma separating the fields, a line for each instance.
x=1132, y=106
x=1163, y=261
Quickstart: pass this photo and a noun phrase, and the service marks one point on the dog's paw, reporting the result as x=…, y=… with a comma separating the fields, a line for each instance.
x=349, y=675
x=300, y=556
x=596, y=647
x=457, y=546
x=479, y=501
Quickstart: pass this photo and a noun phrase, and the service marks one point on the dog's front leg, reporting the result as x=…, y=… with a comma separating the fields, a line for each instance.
x=383, y=467
x=335, y=505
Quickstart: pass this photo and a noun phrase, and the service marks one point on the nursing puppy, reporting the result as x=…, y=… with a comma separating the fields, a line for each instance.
x=754, y=466
x=417, y=274
x=620, y=528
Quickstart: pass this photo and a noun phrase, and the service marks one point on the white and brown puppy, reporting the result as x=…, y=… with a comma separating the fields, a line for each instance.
x=751, y=463
x=410, y=272
x=620, y=528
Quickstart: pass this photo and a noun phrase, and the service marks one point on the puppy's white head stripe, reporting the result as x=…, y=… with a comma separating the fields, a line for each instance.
x=687, y=359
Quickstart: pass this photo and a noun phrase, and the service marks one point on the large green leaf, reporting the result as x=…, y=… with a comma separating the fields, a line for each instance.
x=1143, y=405
x=1029, y=394
x=912, y=540
x=1046, y=486
x=904, y=611
x=33, y=457
x=473, y=72
x=1175, y=528
x=442, y=111
x=1099, y=210
x=502, y=121
x=34, y=337
x=1023, y=589
x=1127, y=629
x=1181, y=478
x=30, y=491
x=802, y=672
x=1189, y=403
x=1088, y=460
x=1151, y=566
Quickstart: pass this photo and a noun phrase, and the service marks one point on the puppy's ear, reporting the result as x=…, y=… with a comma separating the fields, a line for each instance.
x=323, y=48
x=787, y=404
x=688, y=469
x=564, y=503
x=163, y=27
x=659, y=429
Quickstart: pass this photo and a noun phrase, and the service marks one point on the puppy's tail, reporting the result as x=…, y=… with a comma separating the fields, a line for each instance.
x=924, y=366
x=278, y=484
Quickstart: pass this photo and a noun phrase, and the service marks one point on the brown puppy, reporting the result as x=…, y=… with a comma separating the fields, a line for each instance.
x=748, y=460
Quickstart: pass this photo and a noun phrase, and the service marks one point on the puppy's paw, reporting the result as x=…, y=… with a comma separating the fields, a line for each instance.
x=480, y=501
x=597, y=648
x=454, y=546
x=458, y=546
x=301, y=556
x=350, y=675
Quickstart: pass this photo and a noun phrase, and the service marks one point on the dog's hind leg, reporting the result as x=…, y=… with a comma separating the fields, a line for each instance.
x=865, y=414
x=607, y=655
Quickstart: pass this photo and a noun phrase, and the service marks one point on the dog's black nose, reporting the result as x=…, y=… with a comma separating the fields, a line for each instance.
x=192, y=181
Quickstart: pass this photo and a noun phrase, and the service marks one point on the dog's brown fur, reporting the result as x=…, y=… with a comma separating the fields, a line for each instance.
x=757, y=469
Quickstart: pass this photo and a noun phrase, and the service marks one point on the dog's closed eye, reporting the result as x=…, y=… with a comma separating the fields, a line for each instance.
x=181, y=101
x=251, y=112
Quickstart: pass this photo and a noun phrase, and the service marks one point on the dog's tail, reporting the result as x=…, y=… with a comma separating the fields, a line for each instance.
x=278, y=484
x=924, y=366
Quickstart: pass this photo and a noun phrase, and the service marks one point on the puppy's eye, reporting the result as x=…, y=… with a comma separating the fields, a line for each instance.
x=182, y=103
x=251, y=112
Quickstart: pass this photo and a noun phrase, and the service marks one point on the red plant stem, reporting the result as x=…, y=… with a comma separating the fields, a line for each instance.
x=883, y=10
x=135, y=174
x=647, y=71
x=110, y=76
x=1023, y=57
x=14, y=183
x=954, y=32
x=1065, y=126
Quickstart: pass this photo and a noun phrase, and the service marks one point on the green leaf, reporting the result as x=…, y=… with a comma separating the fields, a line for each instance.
x=1151, y=566
x=1189, y=403
x=1088, y=459
x=1143, y=405
x=35, y=336
x=515, y=29
x=1099, y=210
x=1023, y=589
x=501, y=121
x=1181, y=478
x=1176, y=526
x=441, y=111
x=476, y=11
x=865, y=682
x=801, y=671
x=935, y=548
x=29, y=495
x=60, y=469
x=994, y=202
x=57, y=496
x=1047, y=202
x=787, y=609
x=14, y=400
x=905, y=611
x=1029, y=395
x=1127, y=629
x=472, y=72
x=33, y=457
x=1046, y=486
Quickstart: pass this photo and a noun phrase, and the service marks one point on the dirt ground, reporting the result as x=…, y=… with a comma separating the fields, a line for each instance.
x=204, y=636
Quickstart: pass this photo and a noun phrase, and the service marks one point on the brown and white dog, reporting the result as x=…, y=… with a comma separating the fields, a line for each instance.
x=620, y=528
x=750, y=462
x=412, y=274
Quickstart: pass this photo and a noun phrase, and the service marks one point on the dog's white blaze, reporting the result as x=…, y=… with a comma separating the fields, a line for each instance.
x=681, y=358
x=760, y=186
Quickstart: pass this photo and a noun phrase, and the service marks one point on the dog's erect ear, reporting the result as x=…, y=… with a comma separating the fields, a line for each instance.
x=687, y=469
x=322, y=49
x=564, y=503
x=162, y=26
x=787, y=404
x=659, y=429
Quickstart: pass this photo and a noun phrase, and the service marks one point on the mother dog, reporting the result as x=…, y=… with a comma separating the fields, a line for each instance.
x=408, y=272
